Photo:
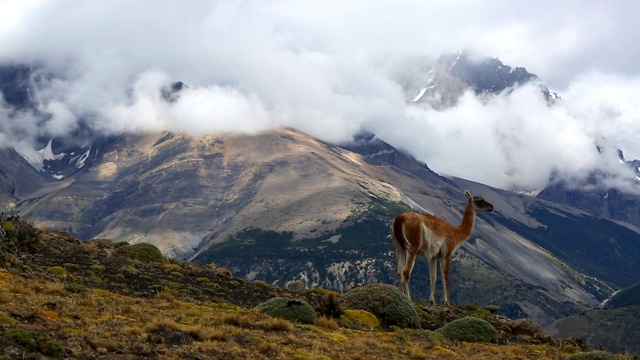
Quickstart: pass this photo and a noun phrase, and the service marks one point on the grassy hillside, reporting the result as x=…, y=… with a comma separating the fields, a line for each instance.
x=617, y=329
x=629, y=296
x=614, y=327
x=60, y=297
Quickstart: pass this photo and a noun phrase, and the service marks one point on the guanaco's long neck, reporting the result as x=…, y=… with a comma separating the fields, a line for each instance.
x=468, y=220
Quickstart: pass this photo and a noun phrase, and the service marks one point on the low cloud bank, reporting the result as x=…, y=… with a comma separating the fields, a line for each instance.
x=252, y=66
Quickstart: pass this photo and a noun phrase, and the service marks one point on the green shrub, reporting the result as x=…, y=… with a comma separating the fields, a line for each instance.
x=386, y=302
x=470, y=329
x=71, y=266
x=19, y=231
x=129, y=270
x=290, y=309
x=58, y=271
x=6, y=319
x=35, y=341
x=595, y=355
x=8, y=227
x=143, y=252
x=98, y=267
x=492, y=309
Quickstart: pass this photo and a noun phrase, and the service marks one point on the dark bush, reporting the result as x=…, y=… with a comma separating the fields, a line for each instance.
x=470, y=329
x=386, y=302
x=143, y=252
x=290, y=309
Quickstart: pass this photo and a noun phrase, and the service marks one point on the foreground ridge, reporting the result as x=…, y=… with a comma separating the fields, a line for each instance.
x=60, y=297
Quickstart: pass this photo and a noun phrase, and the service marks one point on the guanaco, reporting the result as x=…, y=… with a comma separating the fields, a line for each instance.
x=423, y=235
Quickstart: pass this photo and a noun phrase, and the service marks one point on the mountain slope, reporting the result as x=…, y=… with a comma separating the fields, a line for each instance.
x=283, y=206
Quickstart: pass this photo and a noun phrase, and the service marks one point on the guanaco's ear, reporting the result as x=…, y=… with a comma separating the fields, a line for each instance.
x=467, y=194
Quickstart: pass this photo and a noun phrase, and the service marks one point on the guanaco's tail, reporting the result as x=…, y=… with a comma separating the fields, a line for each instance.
x=397, y=234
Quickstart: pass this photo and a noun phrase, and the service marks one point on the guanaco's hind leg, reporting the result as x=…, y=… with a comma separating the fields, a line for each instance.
x=406, y=274
x=445, y=262
x=433, y=277
x=401, y=259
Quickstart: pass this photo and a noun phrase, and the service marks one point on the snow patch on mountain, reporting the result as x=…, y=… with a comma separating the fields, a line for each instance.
x=35, y=157
x=44, y=160
x=82, y=158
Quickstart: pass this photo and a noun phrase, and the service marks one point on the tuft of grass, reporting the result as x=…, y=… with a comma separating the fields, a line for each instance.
x=98, y=267
x=129, y=270
x=162, y=324
x=172, y=267
x=276, y=324
x=6, y=319
x=337, y=337
x=58, y=271
x=226, y=306
x=54, y=288
x=75, y=288
x=359, y=320
x=34, y=341
x=262, y=283
x=166, y=295
x=327, y=323
x=594, y=355
x=70, y=266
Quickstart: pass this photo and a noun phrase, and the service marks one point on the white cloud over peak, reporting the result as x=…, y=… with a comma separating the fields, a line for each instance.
x=331, y=69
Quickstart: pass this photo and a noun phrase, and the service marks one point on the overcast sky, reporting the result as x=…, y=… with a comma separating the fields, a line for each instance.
x=330, y=68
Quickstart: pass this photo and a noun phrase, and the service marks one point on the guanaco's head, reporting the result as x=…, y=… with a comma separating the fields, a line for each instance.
x=479, y=204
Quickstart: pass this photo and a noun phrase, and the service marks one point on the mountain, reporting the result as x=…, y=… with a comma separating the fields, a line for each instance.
x=285, y=207
x=594, y=195
x=452, y=74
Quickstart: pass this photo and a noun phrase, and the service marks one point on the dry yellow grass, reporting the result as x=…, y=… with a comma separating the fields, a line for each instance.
x=99, y=323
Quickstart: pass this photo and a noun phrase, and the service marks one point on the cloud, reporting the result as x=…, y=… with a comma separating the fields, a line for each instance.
x=332, y=69
x=505, y=140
